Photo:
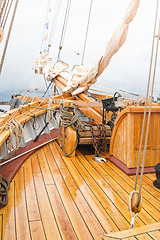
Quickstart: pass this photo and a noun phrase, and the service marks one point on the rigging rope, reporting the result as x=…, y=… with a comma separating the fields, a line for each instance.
x=64, y=27
x=85, y=42
x=54, y=22
x=3, y=25
x=46, y=17
x=143, y=124
x=8, y=36
x=5, y=11
x=2, y=9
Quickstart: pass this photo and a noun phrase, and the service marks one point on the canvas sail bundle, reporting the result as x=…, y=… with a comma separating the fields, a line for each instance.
x=83, y=77
x=82, y=82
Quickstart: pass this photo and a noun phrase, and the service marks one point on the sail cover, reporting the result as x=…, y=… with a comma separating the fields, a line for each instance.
x=83, y=77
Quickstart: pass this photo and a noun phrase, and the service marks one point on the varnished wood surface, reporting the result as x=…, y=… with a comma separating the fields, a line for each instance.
x=126, y=135
x=151, y=231
x=57, y=197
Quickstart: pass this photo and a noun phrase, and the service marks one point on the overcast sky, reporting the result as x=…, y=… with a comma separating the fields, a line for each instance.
x=129, y=67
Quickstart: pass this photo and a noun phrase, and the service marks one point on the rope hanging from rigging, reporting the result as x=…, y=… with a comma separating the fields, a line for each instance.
x=64, y=28
x=135, y=199
x=87, y=29
x=8, y=36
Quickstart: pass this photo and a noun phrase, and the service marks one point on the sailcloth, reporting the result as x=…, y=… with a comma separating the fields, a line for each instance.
x=82, y=82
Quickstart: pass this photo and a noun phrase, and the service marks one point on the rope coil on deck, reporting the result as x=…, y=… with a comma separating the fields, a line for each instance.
x=4, y=186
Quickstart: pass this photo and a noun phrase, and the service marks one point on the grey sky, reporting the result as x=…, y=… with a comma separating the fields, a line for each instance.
x=128, y=69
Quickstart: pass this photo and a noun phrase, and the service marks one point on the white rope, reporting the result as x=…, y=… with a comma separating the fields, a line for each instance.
x=49, y=117
x=133, y=217
x=16, y=130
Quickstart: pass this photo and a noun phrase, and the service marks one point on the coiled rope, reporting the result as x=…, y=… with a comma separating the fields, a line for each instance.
x=69, y=118
x=16, y=130
x=4, y=186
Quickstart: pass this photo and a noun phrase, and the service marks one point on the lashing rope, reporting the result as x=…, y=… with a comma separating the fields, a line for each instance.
x=69, y=118
x=16, y=130
x=139, y=200
x=4, y=187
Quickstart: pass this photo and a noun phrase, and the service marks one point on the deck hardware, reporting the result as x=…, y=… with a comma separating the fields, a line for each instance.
x=156, y=183
x=99, y=159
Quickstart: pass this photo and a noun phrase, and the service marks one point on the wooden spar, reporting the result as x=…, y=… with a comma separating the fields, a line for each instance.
x=78, y=103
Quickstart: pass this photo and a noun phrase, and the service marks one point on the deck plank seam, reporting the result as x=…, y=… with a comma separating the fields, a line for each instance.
x=15, y=210
x=37, y=199
x=122, y=188
x=150, y=236
x=105, y=193
x=48, y=197
x=72, y=196
x=132, y=186
x=2, y=227
x=59, y=194
x=26, y=203
x=113, y=188
x=81, y=192
x=96, y=197
x=153, y=188
x=94, y=194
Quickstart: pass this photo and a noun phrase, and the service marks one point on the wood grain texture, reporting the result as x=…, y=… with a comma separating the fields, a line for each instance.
x=126, y=137
x=58, y=197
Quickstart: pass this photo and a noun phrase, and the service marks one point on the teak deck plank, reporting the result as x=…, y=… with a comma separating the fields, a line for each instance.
x=8, y=216
x=101, y=213
x=22, y=225
x=136, y=232
x=47, y=216
x=67, y=199
x=107, y=199
x=58, y=197
x=150, y=193
x=37, y=230
x=155, y=234
x=61, y=216
x=116, y=184
x=84, y=208
x=32, y=205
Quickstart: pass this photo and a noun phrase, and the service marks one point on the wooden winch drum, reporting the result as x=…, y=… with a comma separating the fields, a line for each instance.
x=85, y=136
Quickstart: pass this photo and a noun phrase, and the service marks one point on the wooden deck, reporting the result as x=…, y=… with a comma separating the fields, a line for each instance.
x=56, y=197
x=147, y=232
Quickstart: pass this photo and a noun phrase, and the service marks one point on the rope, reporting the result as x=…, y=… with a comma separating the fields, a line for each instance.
x=54, y=21
x=2, y=9
x=85, y=42
x=66, y=120
x=4, y=186
x=148, y=122
x=16, y=129
x=130, y=209
x=7, y=15
x=49, y=117
x=44, y=24
x=8, y=36
x=64, y=28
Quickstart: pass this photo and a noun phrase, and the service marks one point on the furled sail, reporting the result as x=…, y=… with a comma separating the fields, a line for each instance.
x=82, y=80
